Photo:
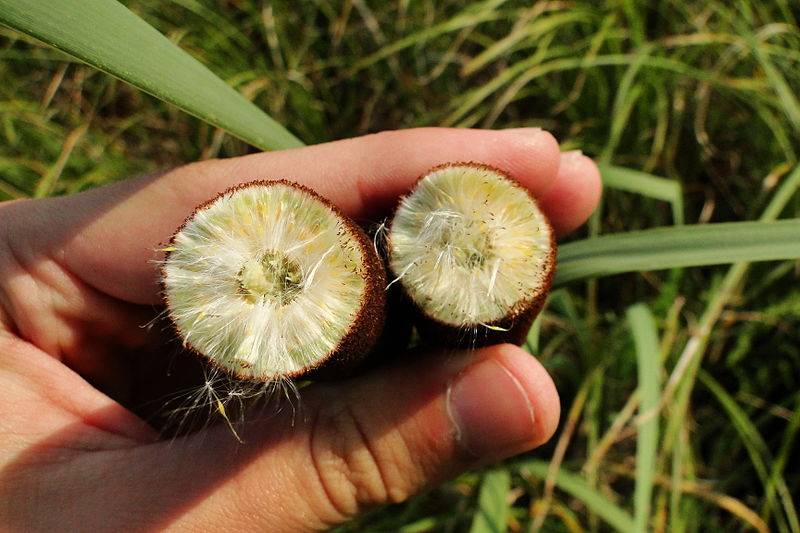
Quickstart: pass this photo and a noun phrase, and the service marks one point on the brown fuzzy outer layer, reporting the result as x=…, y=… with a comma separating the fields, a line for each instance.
x=512, y=328
x=364, y=331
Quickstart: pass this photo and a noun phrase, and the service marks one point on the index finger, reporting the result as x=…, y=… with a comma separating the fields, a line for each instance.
x=109, y=236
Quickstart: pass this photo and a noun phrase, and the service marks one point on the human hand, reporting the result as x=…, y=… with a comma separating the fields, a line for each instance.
x=78, y=280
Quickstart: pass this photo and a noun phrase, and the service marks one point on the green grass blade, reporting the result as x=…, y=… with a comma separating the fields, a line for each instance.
x=645, y=337
x=783, y=195
x=627, y=94
x=493, y=506
x=531, y=68
x=694, y=350
x=634, y=15
x=471, y=16
x=785, y=453
x=755, y=445
x=786, y=95
x=421, y=526
x=576, y=487
x=682, y=246
x=108, y=36
x=642, y=183
x=538, y=27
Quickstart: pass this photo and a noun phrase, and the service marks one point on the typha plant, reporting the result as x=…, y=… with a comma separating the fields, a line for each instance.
x=473, y=253
x=269, y=281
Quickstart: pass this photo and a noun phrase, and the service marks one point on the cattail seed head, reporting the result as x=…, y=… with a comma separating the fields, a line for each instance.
x=474, y=254
x=270, y=281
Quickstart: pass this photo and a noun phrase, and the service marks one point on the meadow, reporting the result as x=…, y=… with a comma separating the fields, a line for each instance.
x=679, y=378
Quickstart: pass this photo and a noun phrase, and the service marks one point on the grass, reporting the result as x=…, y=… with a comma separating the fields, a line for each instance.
x=692, y=108
x=90, y=30
x=645, y=338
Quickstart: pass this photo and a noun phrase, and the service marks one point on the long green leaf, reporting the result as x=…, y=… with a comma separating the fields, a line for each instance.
x=575, y=486
x=108, y=36
x=681, y=246
x=645, y=338
x=493, y=506
x=635, y=181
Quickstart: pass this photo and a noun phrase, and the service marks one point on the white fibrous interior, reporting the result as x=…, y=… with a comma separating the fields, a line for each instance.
x=264, y=281
x=468, y=245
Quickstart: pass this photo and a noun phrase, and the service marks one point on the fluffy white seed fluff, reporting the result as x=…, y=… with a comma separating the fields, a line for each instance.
x=468, y=245
x=265, y=281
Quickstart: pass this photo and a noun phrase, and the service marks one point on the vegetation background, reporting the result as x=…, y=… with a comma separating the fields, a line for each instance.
x=680, y=388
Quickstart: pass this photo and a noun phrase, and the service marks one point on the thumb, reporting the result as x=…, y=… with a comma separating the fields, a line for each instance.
x=396, y=433
x=374, y=439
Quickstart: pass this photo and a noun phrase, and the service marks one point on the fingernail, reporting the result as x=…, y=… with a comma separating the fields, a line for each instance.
x=572, y=157
x=491, y=412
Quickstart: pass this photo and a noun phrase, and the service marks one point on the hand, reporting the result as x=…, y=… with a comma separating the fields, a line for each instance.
x=78, y=280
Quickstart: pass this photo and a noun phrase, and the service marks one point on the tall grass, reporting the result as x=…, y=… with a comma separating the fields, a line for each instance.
x=679, y=385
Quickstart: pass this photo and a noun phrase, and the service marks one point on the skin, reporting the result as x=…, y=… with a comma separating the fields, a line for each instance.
x=78, y=280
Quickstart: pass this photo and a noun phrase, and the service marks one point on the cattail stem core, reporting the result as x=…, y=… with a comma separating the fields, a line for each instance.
x=272, y=277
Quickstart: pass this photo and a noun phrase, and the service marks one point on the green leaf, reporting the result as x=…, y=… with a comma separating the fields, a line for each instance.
x=786, y=94
x=108, y=36
x=645, y=337
x=642, y=183
x=755, y=445
x=575, y=486
x=627, y=94
x=471, y=16
x=422, y=525
x=680, y=246
x=493, y=505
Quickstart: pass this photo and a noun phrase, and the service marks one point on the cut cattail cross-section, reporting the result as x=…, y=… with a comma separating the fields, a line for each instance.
x=269, y=281
x=473, y=253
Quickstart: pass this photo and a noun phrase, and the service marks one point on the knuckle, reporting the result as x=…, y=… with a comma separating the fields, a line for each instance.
x=389, y=144
x=346, y=462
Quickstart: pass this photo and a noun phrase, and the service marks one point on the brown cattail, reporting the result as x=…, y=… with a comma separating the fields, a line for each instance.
x=269, y=281
x=473, y=253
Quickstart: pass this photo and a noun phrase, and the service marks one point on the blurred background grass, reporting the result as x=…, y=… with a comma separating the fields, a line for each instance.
x=700, y=92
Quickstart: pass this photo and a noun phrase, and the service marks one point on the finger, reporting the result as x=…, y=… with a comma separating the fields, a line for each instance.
x=574, y=194
x=108, y=236
x=364, y=176
x=367, y=441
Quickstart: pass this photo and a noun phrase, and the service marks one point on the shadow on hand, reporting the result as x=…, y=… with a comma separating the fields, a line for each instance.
x=72, y=481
